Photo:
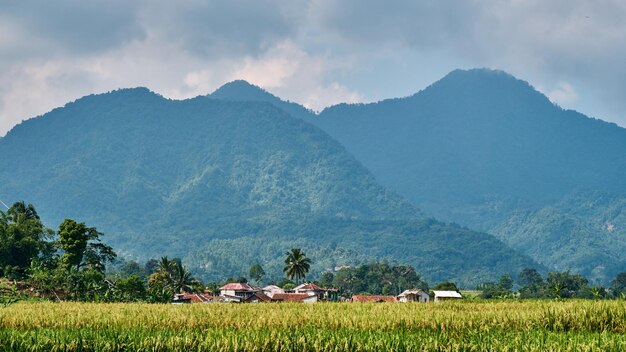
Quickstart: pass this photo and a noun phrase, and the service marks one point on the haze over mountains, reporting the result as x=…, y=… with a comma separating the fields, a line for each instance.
x=240, y=176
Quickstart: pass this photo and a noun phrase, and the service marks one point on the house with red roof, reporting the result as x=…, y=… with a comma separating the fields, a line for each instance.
x=314, y=290
x=238, y=292
x=186, y=297
x=270, y=290
x=258, y=297
x=294, y=297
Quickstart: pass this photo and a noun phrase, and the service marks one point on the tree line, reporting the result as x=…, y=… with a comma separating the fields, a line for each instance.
x=73, y=263
x=560, y=285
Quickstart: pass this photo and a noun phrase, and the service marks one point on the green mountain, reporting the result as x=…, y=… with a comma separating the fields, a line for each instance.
x=486, y=150
x=243, y=91
x=480, y=147
x=224, y=185
x=594, y=225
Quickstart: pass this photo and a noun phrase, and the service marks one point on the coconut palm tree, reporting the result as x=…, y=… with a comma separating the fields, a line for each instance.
x=174, y=276
x=296, y=264
x=182, y=279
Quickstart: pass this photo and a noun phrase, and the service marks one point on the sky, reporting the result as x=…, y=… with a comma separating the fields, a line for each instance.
x=317, y=53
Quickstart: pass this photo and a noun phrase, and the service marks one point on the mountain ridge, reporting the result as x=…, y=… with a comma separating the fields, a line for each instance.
x=479, y=147
x=180, y=178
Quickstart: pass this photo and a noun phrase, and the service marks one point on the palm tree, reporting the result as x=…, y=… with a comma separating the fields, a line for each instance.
x=296, y=264
x=173, y=275
x=182, y=279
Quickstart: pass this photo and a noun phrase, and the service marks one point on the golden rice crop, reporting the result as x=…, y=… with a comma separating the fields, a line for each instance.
x=451, y=326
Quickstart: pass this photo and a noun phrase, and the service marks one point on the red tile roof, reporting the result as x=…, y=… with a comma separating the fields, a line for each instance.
x=364, y=299
x=260, y=296
x=290, y=297
x=310, y=287
x=236, y=286
x=198, y=297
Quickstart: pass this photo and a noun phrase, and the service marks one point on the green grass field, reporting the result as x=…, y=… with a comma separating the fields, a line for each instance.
x=458, y=326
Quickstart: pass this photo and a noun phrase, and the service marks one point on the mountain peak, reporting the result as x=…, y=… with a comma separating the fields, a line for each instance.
x=483, y=84
x=241, y=90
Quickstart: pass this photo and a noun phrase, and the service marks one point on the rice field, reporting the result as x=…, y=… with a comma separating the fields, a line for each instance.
x=450, y=326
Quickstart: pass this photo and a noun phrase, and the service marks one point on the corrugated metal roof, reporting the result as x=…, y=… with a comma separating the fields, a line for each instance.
x=308, y=287
x=259, y=296
x=236, y=286
x=447, y=294
x=411, y=292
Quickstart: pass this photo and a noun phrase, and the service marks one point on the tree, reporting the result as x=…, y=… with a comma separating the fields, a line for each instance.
x=151, y=266
x=183, y=280
x=377, y=278
x=23, y=238
x=598, y=292
x=566, y=285
x=82, y=247
x=529, y=277
x=284, y=281
x=327, y=279
x=132, y=268
x=171, y=277
x=505, y=283
x=256, y=273
x=130, y=289
x=618, y=286
x=446, y=286
x=531, y=284
x=297, y=265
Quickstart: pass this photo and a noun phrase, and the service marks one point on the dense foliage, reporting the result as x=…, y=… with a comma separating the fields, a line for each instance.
x=488, y=151
x=375, y=279
x=437, y=251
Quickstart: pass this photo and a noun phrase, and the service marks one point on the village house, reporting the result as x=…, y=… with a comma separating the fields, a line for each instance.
x=307, y=293
x=270, y=290
x=238, y=292
x=294, y=297
x=323, y=294
x=415, y=295
x=185, y=297
x=446, y=295
x=258, y=297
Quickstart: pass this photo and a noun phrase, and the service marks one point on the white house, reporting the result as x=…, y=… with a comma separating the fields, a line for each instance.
x=312, y=290
x=446, y=295
x=415, y=295
x=233, y=290
x=271, y=290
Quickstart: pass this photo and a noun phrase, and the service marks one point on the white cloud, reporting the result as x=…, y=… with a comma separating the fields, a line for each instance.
x=564, y=94
x=306, y=51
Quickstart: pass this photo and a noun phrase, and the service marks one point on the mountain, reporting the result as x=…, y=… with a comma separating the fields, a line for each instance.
x=480, y=147
x=226, y=184
x=486, y=150
x=594, y=225
x=240, y=90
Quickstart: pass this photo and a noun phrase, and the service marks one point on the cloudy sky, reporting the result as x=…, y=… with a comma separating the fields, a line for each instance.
x=317, y=52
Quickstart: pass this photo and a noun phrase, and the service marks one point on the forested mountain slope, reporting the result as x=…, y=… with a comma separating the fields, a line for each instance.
x=480, y=147
x=166, y=177
x=486, y=150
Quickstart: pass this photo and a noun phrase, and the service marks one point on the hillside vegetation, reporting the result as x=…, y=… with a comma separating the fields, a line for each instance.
x=486, y=150
x=226, y=185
